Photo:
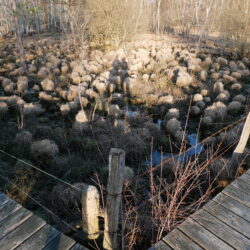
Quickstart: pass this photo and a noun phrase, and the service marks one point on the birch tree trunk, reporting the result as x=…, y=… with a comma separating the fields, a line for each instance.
x=158, y=16
x=19, y=35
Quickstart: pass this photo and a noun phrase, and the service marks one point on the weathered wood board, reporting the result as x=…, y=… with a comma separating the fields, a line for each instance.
x=223, y=223
x=22, y=230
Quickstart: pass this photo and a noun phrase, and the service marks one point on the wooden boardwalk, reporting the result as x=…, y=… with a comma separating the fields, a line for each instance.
x=20, y=229
x=223, y=223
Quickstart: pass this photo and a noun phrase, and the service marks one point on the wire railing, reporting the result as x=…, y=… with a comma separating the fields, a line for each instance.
x=152, y=169
x=40, y=170
x=37, y=202
x=219, y=152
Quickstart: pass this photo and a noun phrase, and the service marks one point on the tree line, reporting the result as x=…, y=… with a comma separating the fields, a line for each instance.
x=117, y=20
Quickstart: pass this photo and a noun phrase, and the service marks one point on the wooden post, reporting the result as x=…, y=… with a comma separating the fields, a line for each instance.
x=114, y=189
x=237, y=154
x=90, y=212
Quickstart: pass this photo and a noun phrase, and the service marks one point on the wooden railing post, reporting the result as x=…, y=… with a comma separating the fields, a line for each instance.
x=114, y=189
x=90, y=212
x=237, y=154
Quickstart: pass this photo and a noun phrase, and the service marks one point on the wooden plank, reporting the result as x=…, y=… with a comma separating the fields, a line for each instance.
x=9, y=208
x=237, y=194
x=228, y=217
x=233, y=205
x=3, y=199
x=160, y=245
x=245, y=178
x=177, y=240
x=21, y=233
x=202, y=236
x=247, y=173
x=39, y=239
x=61, y=242
x=221, y=230
x=78, y=247
x=13, y=221
x=244, y=186
x=22, y=230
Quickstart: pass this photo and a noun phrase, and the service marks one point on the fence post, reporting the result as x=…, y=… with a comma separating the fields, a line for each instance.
x=237, y=154
x=114, y=189
x=90, y=212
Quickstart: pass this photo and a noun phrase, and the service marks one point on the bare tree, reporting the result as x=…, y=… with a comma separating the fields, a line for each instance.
x=17, y=10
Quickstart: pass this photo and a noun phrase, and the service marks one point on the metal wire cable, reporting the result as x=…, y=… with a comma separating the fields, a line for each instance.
x=37, y=202
x=224, y=150
x=40, y=170
x=169, y=159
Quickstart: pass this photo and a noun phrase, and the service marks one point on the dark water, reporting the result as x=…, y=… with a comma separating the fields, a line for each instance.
x=194, y=149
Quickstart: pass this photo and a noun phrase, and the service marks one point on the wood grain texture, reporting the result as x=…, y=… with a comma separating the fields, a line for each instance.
x=3, y=199
x=233, y=205
x=13, y=221
x=245, y=178
x=90, y=211
x=202, y=236
x=221, y=230
x=61, y=242
x=223, y=223
x=161, y=245
x=177, y=240
x=39, y=239
x=21, y=233
x=22, y=230
x=78, y=247
x=242, y=185
x=237, y=194
x=114, y=189
x=228, y=217
x=8, y=208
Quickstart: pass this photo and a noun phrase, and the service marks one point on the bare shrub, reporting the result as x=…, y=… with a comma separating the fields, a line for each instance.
x=169, y=198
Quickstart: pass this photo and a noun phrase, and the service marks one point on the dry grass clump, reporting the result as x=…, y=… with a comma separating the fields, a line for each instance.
x=81, y=121
x=230, y=136
x=3, y=109
x=173, y=125
x=23, y=181
x=22, y=84
x=217, y=111
x=43, y=150
x=234, y=107
x=240, y=98
x=48, y=85
x=24, y=138
x=33, y=109
x=172, y=113
x=67, y=197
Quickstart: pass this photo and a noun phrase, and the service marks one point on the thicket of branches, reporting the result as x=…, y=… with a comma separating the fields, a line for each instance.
x=117, y=20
